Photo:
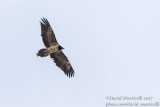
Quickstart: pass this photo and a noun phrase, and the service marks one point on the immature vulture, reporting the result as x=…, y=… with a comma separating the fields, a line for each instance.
x=54, y=49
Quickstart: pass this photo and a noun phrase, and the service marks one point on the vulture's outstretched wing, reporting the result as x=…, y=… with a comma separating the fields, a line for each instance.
x=63, y=63
x=47, y=33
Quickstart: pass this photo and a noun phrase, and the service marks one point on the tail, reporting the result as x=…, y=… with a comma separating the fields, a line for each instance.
x=42, y=53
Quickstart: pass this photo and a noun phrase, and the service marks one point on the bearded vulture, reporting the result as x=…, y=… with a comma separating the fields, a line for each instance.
x=54, y=49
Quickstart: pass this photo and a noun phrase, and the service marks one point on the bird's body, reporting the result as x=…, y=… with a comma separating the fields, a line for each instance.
x=54, y=49
x=45, y=52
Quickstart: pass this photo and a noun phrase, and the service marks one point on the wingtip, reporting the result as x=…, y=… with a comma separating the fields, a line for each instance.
x=70, y=74
x=43, y=18
x=44, y=21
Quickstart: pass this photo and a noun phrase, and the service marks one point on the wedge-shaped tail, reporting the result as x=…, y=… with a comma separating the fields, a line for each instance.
x=43, y=53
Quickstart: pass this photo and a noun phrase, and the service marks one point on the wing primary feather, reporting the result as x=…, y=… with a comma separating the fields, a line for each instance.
x=47, y=33
x=63, y=63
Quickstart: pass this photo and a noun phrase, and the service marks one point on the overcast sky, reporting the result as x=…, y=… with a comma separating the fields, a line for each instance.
x=113, y=46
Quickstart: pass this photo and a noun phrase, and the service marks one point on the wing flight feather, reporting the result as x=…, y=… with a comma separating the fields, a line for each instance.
x=47, y=33
x=63, y=63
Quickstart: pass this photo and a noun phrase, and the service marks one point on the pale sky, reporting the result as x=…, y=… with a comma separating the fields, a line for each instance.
x=113, y=46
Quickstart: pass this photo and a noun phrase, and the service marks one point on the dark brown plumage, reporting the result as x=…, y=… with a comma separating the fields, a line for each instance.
x=54, y=49
x=47, y=33
x=62, y=62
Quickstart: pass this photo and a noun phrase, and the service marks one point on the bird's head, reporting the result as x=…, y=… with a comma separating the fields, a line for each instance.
x=60, y=47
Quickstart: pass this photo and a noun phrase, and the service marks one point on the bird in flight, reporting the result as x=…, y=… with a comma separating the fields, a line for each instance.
x=54, y=49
